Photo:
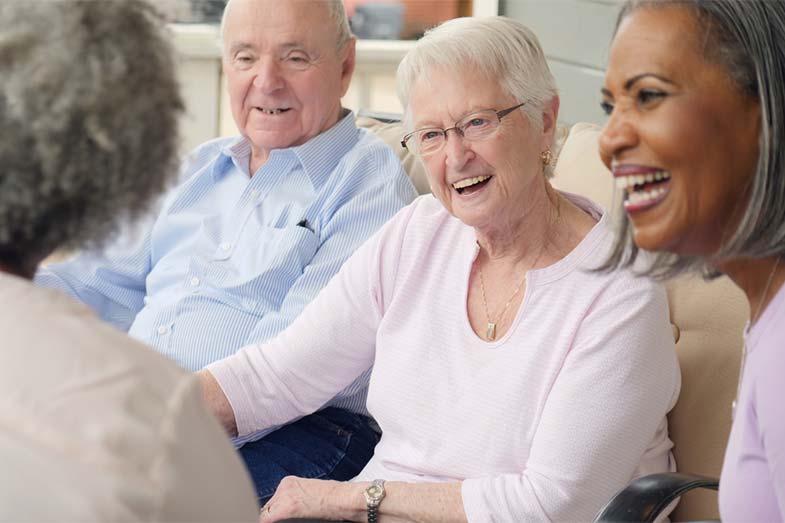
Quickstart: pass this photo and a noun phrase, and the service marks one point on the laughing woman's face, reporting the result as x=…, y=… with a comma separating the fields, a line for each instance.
x=681, y=139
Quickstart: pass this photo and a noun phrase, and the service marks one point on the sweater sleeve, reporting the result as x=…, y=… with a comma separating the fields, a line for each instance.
x=324, y=350
x=606, y=408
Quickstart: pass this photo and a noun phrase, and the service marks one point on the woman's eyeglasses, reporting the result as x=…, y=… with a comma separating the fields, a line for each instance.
x=475, y=126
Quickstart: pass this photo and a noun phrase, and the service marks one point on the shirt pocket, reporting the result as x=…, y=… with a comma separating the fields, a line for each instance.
x=287, y=250
x=270, y=263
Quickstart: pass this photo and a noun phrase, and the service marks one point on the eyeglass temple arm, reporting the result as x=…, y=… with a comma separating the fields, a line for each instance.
x=502, y=114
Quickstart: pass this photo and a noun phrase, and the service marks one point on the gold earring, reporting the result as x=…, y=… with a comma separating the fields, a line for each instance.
x=546, y=156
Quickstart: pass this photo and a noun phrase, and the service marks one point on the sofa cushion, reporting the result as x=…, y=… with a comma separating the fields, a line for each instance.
x=579, y=168
x=391, y=134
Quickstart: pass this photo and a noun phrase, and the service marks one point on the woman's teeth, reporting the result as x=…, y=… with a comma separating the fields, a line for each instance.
x=468, y=182
x=271, y=111
x=637, y=197
x=623, y=182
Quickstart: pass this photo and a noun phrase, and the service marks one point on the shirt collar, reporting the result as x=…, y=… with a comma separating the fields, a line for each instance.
x=318, y=156
x=321, y=154
x=238, y=149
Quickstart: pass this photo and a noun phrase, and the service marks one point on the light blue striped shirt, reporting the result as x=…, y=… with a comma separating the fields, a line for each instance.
x=232, y=259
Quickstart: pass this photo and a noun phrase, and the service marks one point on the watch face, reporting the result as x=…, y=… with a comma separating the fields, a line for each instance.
x=374, y=494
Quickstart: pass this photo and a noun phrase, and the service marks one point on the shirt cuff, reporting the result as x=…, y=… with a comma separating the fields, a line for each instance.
x=229, y=373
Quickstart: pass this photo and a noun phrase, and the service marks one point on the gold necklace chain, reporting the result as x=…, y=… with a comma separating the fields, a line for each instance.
x=490, y=330
x=744, y=347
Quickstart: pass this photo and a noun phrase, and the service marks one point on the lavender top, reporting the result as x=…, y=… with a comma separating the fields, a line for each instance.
x=752, y=487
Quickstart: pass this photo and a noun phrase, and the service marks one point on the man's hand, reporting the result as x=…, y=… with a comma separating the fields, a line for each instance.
x=217, y=403
x=315, y=498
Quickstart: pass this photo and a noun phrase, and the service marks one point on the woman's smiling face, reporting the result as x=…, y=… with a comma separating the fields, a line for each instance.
x=488, y=182
x=682, y=139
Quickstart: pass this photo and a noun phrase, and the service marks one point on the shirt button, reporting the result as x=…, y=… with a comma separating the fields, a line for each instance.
x=195, y=282
x=225, y=246
x=163, y=329
x=255, y=193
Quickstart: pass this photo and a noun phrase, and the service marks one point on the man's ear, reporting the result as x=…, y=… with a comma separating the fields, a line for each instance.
x=347, y=65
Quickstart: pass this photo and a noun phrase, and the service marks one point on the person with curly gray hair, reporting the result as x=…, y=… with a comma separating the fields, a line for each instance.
x=93, y=422
x=695, y=93
x=260, y=224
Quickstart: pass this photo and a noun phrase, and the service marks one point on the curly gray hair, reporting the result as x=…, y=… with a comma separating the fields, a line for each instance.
x=89, y=106
x=748, y=40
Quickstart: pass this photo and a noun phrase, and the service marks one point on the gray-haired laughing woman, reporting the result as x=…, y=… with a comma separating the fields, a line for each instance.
x=695, y=90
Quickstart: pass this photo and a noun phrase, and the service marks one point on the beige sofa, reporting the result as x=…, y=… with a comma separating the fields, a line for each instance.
x=707, y=318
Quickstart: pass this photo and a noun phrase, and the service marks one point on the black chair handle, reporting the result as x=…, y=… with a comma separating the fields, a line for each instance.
x=646, y=497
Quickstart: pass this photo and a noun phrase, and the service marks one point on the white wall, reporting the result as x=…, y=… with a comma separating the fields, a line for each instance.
x=575, y=35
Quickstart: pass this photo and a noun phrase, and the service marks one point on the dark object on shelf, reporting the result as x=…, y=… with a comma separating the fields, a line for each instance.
x=209, y=11
x=378, y=21
x=195, y=11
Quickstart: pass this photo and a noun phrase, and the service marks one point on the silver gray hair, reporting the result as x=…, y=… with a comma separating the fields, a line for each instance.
x=337, y=15
x=89, y=107
x=495, y=46
x=748, y=40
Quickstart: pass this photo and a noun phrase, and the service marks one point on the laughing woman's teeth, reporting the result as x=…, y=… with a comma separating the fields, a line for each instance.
x=630, y=181
x=644, y=196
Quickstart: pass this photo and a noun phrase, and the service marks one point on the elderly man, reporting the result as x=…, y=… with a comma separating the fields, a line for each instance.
x=260, y=224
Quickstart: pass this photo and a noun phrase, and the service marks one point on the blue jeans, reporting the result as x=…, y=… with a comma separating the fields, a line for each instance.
x=330, y=444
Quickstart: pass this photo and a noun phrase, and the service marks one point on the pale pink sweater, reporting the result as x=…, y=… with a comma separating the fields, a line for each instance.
x=545, y=423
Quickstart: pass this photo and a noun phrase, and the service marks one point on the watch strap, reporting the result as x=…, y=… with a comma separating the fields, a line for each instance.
x=373, y=514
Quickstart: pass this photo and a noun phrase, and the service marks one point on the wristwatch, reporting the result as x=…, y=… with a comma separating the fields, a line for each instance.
x=374, y=495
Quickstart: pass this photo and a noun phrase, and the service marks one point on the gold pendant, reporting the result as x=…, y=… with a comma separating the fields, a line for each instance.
x=490, y=333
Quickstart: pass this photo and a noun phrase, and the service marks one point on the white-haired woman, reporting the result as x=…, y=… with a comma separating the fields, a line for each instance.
x=95, y=426
x=511, y=382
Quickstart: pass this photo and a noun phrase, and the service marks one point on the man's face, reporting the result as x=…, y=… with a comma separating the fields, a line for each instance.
x=285, y=73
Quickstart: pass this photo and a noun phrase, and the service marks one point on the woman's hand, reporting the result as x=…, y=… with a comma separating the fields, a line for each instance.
x=217, y=403
x=315, y=498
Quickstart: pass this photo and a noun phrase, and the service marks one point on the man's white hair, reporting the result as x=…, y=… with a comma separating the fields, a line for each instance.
x=497, y=47
x=337, y=15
